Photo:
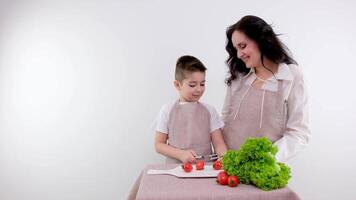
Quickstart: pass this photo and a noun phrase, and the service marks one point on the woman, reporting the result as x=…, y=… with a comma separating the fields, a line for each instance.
x=266, y=94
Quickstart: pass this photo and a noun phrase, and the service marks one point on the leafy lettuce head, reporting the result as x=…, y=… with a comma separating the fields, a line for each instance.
x=255, y=163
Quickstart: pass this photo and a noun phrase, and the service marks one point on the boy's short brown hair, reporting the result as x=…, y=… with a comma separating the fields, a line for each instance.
x=188, y=64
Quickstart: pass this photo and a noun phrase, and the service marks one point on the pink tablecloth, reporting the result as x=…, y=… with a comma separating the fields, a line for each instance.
x=170, y=187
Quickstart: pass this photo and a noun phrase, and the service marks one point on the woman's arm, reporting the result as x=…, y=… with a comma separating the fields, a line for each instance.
x=297, y=132
x=218, y=142
x=227, y=104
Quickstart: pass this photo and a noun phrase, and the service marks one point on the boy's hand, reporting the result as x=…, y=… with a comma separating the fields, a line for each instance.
x=187, y=156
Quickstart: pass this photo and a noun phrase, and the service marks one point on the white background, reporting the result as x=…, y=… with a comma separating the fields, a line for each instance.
x=82, y=81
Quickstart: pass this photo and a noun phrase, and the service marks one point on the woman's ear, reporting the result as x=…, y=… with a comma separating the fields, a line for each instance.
x=177, y=85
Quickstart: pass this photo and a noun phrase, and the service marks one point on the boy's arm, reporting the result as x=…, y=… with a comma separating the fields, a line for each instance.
x=218, y=142
x=163, y=148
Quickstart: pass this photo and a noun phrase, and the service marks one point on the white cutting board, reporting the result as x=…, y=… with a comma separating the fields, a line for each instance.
x=208, y=171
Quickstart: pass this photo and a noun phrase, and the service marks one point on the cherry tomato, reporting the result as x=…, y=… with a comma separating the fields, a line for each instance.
x=233, y=181
x=199, y=164
x=187, y=167
x=217, y=165
x=222, y=178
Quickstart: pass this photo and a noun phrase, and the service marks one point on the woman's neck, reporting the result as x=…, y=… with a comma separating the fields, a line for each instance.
x=268, y=70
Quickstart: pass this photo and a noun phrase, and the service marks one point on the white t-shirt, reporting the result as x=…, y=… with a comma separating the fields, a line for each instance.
x=161, y=122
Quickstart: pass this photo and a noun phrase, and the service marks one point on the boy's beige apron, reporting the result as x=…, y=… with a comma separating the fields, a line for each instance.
x=255, y=113
x=189, y=128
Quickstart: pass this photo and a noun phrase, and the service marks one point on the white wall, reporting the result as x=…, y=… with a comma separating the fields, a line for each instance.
x=81, y=82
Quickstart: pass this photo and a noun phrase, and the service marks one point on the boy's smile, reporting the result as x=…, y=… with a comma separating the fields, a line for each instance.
x=192, y=87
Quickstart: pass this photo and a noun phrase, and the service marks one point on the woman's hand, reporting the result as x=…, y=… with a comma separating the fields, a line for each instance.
x=187, y=156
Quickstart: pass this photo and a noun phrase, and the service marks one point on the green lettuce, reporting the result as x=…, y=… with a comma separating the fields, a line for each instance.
x=255, y=163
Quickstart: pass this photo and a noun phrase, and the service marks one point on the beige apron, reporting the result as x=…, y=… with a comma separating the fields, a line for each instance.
x=255, y=113
x=189, y=128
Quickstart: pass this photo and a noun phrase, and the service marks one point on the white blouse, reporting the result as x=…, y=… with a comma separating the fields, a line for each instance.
x=297, y=133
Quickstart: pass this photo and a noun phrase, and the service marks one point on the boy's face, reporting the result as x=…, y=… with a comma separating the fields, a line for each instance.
x=192, y=87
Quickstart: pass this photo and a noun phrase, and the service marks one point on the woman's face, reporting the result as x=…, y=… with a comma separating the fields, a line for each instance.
x=247, y=49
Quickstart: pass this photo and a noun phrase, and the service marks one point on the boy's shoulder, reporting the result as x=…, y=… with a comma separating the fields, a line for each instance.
x=206, y=105
x=167, y=107
x=209, y=107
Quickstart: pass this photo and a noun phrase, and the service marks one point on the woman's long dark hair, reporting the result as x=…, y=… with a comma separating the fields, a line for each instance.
x=267, y=41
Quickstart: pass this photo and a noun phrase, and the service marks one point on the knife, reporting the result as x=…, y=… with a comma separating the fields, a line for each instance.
x=211, y=157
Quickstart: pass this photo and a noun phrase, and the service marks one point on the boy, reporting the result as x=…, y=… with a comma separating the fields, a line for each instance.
x=187, y=128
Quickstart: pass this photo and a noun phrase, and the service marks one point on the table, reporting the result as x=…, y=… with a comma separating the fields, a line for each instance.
x=170, y=187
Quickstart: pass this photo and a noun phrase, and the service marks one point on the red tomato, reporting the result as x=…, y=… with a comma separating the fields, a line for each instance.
x=187, y=167
x=199, y=164
x=233, y=181
x=217, y=165
x=222, y=178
